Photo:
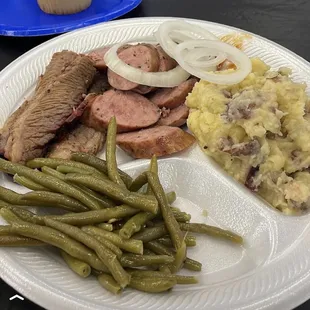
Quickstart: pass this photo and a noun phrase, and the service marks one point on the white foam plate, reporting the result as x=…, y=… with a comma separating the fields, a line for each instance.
x=272, y=269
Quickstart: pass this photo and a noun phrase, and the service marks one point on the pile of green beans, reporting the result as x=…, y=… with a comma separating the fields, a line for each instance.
x=123, y=231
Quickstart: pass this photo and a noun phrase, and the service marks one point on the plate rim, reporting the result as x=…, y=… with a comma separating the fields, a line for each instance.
x=41, y=298
x=78, y=23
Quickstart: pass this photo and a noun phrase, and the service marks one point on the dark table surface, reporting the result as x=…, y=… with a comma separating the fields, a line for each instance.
x=283, y=21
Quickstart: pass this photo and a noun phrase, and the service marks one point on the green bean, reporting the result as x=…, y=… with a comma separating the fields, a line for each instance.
x=52, y=172
x=106, y=226
x=9, y=216
x=151, y=233
x=58, y=200
x=158, y=274
x=160, y=249
x=135, y=224
x=171, y=197
x=69, y=169
x=100, y=165
x=95, y=217
x=27, y=215
x=50, y=182
x=16, y=199
x=170, y=221
x=153, y=168
x=108, y=244
x=111, y=153
x=133, y=260
x=148, y=252
x=28, y=183
x=4, y=204
x=138, y=182
x=191, y=264
x=18, y=241
x=112, y=190
x=164, y=269
x=79, y=267
x=5, y=230
x=132, y=246
x=211, y=231
x=181, y=217
x=107, y=257
x=107, y=282
x=59, y=240
x=159, y=231
x=166, y=241
x=104, y=201
x=55, y=162
x=152, y=285
x=189, y=240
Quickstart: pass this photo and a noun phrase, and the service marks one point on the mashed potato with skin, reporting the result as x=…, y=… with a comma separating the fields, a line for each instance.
x=259, y=132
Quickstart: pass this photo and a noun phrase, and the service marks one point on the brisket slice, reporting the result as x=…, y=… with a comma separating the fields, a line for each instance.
x=80, y=139
x=55, y=68
x=57, y=97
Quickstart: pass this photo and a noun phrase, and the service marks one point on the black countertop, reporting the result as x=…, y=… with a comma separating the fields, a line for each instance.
x=283, y=21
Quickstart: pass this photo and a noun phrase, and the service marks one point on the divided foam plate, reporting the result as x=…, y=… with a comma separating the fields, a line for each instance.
x=271, y=270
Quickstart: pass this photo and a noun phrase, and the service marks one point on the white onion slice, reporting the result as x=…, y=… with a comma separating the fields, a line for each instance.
x=196, y=58
x=239, y=58
x=186, y=31
x=170, y=78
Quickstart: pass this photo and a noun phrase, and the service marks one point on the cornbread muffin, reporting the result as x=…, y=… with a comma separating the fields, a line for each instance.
x=61, y=7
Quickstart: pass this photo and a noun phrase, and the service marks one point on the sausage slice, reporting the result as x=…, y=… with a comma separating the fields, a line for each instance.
x=132, y=111
x=98, y=57
x=176, y=117
x=166, y=63
x=171, y=98
x=141, y=56
x=159, y=141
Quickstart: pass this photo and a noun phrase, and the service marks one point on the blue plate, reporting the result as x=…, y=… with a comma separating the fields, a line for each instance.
x=22, y=18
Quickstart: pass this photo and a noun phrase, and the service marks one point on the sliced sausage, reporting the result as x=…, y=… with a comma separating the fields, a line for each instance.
x=132, y=111
x=98, y=57
x=176, y=117
x=173, y=97
x=159, y=141
x=166, y=63
x=141, y=56
x=85, y=119
x=143, y=89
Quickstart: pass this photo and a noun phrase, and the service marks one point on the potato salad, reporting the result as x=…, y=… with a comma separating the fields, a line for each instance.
x=259, y=132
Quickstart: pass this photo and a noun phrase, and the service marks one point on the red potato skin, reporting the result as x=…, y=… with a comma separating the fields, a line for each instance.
x=141, y=56
x=159, y=141
x=132, y=111
x=171, y=98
